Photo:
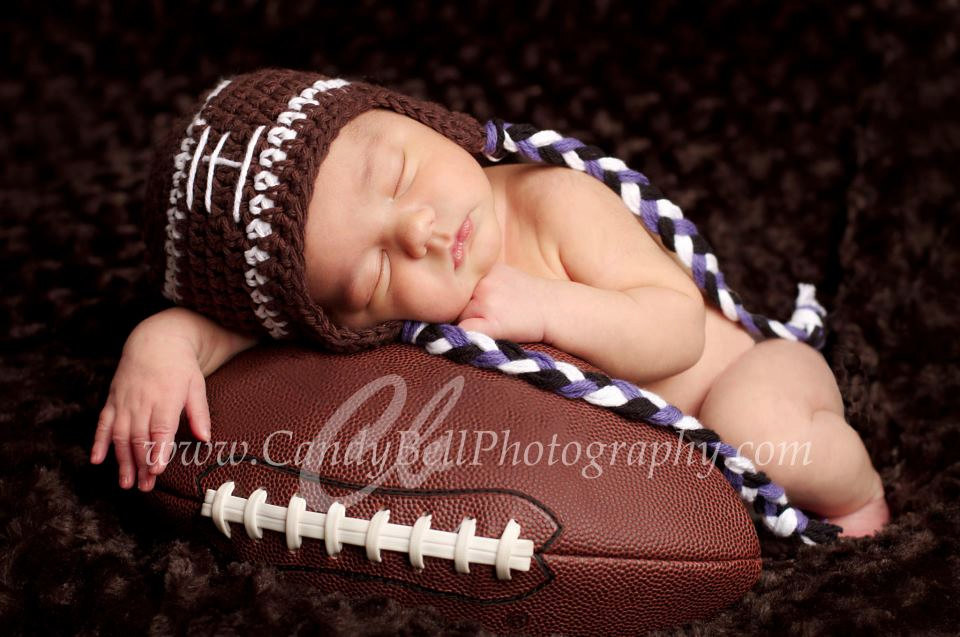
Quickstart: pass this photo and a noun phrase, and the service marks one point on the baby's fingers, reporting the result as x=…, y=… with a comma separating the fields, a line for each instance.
x=101, y=438
x=140, y=443
x=147, y=480
x=198, y=412
x=121, y=447
x=163, y=428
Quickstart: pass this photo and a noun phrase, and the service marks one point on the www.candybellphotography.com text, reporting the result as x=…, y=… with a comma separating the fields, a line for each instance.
x=407, y=449
x=381, y=450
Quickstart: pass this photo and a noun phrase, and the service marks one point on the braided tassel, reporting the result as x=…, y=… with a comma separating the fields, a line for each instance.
x=660, y=217
x=629, y=401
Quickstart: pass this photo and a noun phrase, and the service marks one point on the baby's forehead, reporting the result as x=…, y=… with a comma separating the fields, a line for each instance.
x=375, y=122
x=361, y=137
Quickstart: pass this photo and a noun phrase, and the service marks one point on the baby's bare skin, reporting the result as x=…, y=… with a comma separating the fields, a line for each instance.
x=567, y=228
x=577, y=270
x=767, y=399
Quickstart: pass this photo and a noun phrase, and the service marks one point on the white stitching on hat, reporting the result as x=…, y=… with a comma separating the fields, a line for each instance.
x=193, y=167
x=243, y=173
x=287, y=117
x=259, y=203
x=171, y=283
x=258, y=229
x=255, y=255
x=270, y=155
x=213, y=166
x=280, y=134
x=266, y=179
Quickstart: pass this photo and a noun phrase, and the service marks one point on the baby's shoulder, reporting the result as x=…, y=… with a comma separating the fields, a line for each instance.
x=552, y=197
x=558, y=196
x=598, y=240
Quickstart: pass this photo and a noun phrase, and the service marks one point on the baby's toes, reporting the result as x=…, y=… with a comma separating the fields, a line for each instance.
x=867, y=520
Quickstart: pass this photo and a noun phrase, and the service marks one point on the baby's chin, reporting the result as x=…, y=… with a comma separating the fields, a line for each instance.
x=453, y=316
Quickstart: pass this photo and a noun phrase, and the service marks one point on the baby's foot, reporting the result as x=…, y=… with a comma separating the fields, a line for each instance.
x=866, y=520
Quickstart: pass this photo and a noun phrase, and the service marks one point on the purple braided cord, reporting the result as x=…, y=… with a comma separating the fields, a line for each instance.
x=479, y=350
x=660, y=217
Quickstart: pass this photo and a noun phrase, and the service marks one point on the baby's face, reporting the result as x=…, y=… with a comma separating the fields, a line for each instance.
x=388, y=201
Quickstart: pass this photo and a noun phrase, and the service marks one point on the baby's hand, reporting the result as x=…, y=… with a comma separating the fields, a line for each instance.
x=507, y=303
x=158, y=374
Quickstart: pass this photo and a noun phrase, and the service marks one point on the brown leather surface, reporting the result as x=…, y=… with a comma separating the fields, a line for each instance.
x=620, y=552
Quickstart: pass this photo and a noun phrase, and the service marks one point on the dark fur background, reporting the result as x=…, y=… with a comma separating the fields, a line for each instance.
x=808, y=141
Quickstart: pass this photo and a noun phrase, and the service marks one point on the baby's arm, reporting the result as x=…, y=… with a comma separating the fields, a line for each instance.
x=161, y=371
x=627, y=307
x=640, y=334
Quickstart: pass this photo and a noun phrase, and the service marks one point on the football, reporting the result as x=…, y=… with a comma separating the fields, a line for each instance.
x=399, y=473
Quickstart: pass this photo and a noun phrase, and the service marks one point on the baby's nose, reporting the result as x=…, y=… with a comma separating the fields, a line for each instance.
x=418, y=233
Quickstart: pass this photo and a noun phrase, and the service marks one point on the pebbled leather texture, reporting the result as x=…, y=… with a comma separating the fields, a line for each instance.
x=650, y=544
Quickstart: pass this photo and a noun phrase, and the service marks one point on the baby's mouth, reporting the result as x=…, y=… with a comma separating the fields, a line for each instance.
x=458, y=249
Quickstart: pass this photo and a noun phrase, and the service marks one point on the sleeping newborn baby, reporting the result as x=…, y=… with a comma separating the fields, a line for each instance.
x=403, y=223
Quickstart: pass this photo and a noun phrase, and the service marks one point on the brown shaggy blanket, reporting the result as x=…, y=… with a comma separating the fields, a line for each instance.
x=808, y=142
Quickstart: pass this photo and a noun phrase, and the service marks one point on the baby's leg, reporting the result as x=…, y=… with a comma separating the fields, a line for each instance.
x=779, y=405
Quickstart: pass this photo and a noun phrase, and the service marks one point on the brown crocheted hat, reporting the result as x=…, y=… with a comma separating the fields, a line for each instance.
x=229, y=190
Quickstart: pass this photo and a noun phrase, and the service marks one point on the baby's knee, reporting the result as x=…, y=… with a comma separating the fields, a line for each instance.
x=813, y=381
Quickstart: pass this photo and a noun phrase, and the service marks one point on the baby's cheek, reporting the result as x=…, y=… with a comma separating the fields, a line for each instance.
x=433, y=303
